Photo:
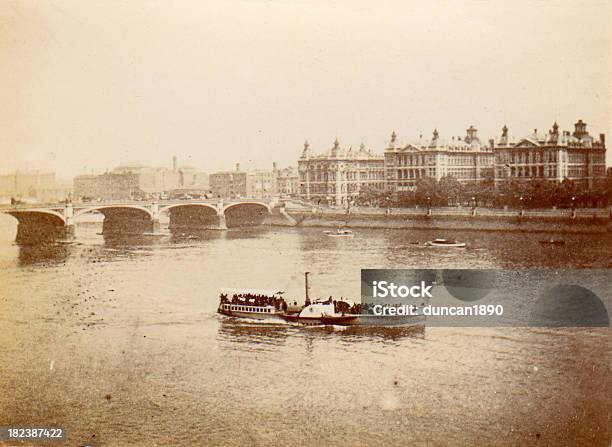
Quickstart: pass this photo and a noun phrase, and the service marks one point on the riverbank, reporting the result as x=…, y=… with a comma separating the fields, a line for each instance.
x=562, y=221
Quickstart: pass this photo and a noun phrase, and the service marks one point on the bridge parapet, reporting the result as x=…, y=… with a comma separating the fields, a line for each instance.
x=269, y=201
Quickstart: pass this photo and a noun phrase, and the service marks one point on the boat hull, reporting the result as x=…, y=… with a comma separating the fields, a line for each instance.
x=389, y=320
x=344, y=233
x=341, y=320
x=369, y=320
x=457, y=245
x=359, y=320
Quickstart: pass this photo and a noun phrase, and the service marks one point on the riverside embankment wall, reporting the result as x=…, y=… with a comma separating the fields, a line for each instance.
x=580, y=221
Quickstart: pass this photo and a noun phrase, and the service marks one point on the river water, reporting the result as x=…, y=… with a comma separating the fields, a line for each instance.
x=118, y=342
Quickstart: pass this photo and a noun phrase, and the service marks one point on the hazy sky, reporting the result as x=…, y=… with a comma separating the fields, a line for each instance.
x=100, y=83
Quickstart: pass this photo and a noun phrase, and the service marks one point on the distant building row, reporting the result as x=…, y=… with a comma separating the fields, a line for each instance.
x=134, y=182
x=140, y=182
x=32, y=185
x=339, y=175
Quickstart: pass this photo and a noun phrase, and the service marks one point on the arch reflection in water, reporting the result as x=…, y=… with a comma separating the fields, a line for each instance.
x=182, y=234
x=39, y=253
x=118, y=240
x=247, y=232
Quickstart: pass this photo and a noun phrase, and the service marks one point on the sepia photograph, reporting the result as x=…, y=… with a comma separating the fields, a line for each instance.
x=329, y=223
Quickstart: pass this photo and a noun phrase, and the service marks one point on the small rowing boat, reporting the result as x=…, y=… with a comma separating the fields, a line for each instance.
x=340, y=232
x=439, y=242
x=553, y=242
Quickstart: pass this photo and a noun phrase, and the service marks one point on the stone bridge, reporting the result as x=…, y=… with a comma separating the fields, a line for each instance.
x=58, y=220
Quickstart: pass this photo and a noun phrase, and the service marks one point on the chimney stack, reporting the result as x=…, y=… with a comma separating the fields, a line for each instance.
x=174, y=163
x=237, y=167
x=602, y=138
x=274, y=166
x=580, y=129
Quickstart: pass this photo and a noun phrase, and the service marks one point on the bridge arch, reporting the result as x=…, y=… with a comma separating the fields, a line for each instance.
x=177, y=205
x=123, y=219
x=39, y=225
x=101, y=209
x=246, y=213
x=192, y=216
x=51, y=216
x=248, y=202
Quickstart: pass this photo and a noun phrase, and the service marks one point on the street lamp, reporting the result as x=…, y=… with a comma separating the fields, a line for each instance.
x=521, y=199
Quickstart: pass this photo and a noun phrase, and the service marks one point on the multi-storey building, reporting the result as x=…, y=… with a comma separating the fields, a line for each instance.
x=192, y=178
x=337, y=176
x=261, y=183
x=237, y=183
x=108, y=186
x=287, y=181
x=228, y=184
x=152, y=180
x=553, y=156
x=27, y=184
x=466, y=159
x=33, y=185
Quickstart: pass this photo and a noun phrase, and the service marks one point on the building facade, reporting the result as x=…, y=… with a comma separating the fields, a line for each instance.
x=261, y=184
x=287, y=182
x=228, y=184
x=554, y=156
x=237, y=183
x=466, y=159
x=152, y=180
x=107, y=186
x=192, y=178
x=337, y=176
x=25, y=183
x=33, y=185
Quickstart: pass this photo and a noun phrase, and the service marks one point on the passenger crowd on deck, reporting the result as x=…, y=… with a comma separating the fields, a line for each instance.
x=252, y=299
